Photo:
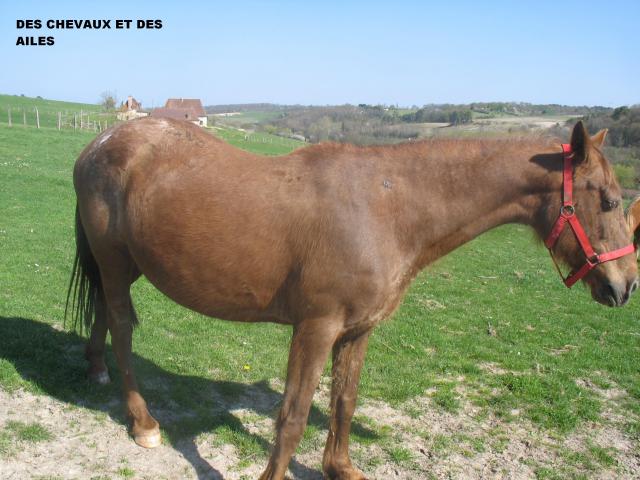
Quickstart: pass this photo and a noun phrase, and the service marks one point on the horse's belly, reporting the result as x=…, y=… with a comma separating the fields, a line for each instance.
x=216, y=288
x=213, y=265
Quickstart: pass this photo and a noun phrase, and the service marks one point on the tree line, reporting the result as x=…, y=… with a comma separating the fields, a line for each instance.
x=623, y=124
x=439, y=115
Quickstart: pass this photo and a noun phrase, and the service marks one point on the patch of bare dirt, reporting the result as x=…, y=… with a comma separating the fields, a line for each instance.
x=493, y=368
x=415, y=440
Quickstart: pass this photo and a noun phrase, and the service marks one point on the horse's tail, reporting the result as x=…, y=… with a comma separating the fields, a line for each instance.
x=85, y=285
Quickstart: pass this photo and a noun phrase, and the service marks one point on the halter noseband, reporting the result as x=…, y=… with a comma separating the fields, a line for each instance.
x=568, y=215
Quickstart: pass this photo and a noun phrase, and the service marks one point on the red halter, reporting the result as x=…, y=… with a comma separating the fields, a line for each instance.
x=568, y=215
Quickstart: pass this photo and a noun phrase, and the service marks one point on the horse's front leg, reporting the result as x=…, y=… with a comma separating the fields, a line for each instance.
x=348, y=357
x=310, y=347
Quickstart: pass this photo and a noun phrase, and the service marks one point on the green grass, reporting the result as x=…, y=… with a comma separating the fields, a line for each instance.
x=18, y=102
x=446, y=398
x=543, y=337
x=22, y=109
x=400, y=455
x=248, y=118
x=126, y=472
x=28, y=432
x=626, y=175
x=604, y=456
x=15, y=432
x=6, y=443
x=258, y=142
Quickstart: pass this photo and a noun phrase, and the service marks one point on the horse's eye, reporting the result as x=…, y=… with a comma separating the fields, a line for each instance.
x=610, y=204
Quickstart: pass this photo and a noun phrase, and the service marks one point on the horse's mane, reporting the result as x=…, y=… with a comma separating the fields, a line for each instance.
x=541, y=141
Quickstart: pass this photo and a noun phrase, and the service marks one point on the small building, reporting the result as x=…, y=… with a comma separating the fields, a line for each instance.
x=188, y=109
x=130, y=109
x=131, y=104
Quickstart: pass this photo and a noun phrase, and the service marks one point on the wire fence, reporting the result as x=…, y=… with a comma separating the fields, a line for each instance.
x=59, y=119
x=272, y=139
x=97, y=121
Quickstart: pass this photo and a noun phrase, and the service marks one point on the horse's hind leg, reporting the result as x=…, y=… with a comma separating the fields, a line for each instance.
x=348, y=357
x=116, y=281
x=94, y=351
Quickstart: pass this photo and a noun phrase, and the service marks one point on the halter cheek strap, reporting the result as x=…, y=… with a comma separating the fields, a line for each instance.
x=568, y=216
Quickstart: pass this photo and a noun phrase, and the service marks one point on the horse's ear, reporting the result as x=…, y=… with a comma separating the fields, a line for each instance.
x=632, y=215
x=598, y=138
x=579, y=140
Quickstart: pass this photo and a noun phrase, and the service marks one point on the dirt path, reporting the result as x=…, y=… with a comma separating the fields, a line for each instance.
x=415, y=440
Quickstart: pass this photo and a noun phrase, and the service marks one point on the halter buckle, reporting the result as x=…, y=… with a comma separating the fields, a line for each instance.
x=567, y=210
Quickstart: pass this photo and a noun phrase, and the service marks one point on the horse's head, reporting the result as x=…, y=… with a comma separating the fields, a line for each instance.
x=597, y=202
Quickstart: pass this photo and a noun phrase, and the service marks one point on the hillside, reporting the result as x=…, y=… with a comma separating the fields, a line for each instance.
x=367, y=124
x=20, y=101
x=22, y=110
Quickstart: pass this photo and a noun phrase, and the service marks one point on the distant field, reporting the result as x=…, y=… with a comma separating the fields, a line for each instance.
x=542, y=121
x=499, y=125
x=257, y=142
x=489, y=360
x=243, y=118
x=494, y=126
x=18, y=101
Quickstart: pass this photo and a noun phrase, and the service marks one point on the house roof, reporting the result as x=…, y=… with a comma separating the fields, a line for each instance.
x=176, y=113
x=193, y=104
x=130, y=104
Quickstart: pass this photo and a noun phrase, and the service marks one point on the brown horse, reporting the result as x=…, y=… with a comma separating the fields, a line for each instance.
x=325, y=239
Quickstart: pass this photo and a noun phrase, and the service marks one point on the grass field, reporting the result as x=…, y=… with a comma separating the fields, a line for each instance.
x=488, y=334
x=22, y=109
x=257, y=142
x=247, y=118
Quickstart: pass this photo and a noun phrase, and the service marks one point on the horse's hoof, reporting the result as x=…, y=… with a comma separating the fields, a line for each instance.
x=149, y=440
x=350, y=473
x=101, y=378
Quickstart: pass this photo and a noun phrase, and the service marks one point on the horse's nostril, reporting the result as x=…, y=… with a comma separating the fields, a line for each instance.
x=634, y=286
x=611, y=295
x=609, y=291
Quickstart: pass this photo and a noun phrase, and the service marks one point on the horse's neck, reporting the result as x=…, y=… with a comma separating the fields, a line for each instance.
x=460, y=195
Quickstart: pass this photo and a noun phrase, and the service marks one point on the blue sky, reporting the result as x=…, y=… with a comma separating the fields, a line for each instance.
x=332, y=52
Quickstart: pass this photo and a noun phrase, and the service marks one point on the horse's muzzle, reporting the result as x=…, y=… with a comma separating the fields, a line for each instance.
x=616, y=294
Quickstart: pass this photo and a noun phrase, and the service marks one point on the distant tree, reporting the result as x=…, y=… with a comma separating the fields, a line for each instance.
x=623, y=124
x=108, y=100
x=458, y=117
x=619, y=112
